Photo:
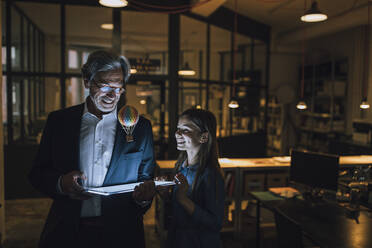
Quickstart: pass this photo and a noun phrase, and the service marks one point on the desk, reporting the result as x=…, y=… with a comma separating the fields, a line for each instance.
x=326, y=223
x=274, y=162
x=263, y=166
x=238, y=167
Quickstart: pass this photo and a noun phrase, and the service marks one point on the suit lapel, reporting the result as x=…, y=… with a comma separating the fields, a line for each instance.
x=120, y=140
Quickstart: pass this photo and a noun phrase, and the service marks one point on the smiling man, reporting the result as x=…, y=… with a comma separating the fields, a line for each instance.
x=84, y=145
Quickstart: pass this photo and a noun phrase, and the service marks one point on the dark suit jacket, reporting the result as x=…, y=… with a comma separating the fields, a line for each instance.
x=59, y=154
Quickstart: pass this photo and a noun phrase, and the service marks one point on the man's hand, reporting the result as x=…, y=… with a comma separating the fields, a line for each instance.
x=163, y=191
x=71, y=187
x=145, y=191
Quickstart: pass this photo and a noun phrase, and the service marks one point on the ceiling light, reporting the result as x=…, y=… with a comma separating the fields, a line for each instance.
x=301, y=105
x=107, y=26
x=114, y=3
x=314, y=14
x=186, y=70
x=133, y=70
x=364, y=104
x=233, y=103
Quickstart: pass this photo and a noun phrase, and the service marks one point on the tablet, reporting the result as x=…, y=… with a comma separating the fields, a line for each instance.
x=122, y=188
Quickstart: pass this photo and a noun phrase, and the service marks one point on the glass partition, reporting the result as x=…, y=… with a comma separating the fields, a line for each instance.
x=5, y=109
x=16, y=40
x=45, y=17
x=36, y=47
x=16, y=108
x=52, y=94
x=193, y=42
x=260, y=59
x=145, y=41
x=86, y=35
x=219, y=61
x=190, y=96
x=3, y=35
x=76, y=93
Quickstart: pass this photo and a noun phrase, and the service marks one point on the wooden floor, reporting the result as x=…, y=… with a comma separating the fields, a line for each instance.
x=25, y=219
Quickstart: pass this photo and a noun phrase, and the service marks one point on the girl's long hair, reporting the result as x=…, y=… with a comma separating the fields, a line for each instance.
x=208, y=153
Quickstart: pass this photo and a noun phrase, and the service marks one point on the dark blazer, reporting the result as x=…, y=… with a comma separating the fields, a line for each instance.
x=59, y=154
x=202, y=228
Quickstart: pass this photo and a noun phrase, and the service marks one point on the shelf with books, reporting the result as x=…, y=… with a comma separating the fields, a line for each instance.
x=275, y=127
x=326, y=94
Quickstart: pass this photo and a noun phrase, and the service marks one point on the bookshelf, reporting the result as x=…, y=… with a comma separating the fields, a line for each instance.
x=275, y=125
x=325, y=92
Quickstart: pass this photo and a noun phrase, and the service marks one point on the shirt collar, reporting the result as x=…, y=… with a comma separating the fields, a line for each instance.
x=113, y=113
x=193, y=167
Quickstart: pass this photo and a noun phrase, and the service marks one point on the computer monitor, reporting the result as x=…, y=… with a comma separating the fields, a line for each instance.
x=317, y=170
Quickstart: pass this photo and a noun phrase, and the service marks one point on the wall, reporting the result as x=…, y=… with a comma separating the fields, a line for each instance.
x=2, y=201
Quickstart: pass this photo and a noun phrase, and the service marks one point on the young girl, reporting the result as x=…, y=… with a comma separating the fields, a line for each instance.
x=198, y=198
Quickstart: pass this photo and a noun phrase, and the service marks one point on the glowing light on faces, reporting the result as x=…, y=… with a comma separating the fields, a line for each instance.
x=105, y=103
x=106, y=98
x=187, y=135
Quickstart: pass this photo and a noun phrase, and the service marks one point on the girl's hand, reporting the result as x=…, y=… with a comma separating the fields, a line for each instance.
x=183, y=186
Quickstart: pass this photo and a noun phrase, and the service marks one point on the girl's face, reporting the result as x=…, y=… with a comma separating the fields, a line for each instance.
x=188, y=135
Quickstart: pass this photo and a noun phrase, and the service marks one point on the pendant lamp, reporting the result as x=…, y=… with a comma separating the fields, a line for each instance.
x=314, y=14
x=301, y=105
x=113, y=3
x=107, y=26
x=364, y=104
x=186, y=70
x=233, y=103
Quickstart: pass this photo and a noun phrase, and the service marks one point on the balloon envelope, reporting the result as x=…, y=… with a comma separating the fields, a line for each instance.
x=128, y=116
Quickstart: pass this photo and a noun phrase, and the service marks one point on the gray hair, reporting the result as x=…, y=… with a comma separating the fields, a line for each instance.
x=104, y=61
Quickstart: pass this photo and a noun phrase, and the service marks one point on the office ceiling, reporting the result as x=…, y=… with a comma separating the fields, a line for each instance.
x=285, y=14
x=145, y=30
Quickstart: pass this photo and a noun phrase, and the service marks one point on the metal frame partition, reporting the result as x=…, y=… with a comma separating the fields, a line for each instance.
x=33, y=69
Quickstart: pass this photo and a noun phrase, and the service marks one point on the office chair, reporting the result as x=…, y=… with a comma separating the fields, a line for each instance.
x=289, y=233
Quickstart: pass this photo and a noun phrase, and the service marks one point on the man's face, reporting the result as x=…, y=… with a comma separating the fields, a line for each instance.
x=105, y=90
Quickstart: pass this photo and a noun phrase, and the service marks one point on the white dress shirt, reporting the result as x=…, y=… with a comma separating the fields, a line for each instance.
x=97, y=138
